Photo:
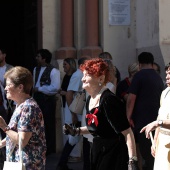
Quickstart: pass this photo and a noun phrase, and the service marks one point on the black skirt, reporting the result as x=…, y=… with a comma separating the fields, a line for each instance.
x=109, y=154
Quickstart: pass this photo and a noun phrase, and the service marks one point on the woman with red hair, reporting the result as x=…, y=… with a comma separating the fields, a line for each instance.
x=106, y=120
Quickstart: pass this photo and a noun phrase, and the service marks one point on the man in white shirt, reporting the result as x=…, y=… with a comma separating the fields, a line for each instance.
x=46, y=85
x=72, y=147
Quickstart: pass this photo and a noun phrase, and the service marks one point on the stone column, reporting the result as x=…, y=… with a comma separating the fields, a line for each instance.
x=65, y=51
x=164, y=29
x=92, y=29
x=67, y=31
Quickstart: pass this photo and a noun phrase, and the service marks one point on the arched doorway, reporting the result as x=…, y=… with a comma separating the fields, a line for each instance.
x=19, y=31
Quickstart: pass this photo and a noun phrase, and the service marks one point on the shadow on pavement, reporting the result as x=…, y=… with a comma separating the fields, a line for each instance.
x=52, y=161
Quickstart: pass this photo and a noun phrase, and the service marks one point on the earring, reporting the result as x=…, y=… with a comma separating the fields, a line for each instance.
x=100, y=84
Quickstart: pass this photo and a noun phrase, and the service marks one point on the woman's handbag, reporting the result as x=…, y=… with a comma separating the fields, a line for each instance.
x=78, y=102
x=15, y=165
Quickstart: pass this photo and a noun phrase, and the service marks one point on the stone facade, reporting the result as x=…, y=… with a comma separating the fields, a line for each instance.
x=74, y=28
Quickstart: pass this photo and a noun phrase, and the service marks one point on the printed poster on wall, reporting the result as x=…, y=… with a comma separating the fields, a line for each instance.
x=119, y=12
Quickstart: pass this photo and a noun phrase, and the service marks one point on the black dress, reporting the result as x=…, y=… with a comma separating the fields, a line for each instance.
x=64, y=86
x=105, y=123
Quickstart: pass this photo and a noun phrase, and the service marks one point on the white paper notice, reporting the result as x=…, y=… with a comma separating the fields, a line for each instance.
x=119, y=12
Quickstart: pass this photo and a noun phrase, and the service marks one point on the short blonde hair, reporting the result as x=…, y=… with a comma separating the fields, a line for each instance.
x=133, y=68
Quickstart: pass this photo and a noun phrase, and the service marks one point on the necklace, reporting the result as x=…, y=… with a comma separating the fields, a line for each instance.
x=94, y=102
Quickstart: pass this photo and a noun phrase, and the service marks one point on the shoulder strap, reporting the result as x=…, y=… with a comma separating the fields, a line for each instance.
x=20, y=150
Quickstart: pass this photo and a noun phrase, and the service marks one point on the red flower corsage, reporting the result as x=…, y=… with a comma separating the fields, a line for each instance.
x=92, y=118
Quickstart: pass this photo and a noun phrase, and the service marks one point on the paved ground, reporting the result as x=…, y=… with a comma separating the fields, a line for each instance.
x=52, y=161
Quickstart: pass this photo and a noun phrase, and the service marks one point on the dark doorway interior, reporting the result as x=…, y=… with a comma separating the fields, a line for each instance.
x=18, y=31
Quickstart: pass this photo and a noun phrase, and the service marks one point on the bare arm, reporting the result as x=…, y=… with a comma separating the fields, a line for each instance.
x=130, y=141
x=14, y=136
x=25, y=136
x=125, y=97
x=69, y=99
x=154, y=125
x=149, y=128
x=129, y=107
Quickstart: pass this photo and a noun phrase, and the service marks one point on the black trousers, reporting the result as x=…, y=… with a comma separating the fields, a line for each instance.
x=47, y=105
x=67, y=150
x=145, y=149
x=64, y=155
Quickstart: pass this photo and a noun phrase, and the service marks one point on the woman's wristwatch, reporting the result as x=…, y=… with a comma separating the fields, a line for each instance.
x=7, y=128
x=160, y=123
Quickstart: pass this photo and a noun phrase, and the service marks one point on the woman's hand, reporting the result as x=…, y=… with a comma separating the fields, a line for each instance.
x=150, y=127
x=2, y=123
x=71, y=130
x=133, y=165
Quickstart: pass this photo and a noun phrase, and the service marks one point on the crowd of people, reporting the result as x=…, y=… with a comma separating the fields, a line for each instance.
x=109, y=131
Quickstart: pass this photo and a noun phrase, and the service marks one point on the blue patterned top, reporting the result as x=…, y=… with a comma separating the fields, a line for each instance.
x=28, y=117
